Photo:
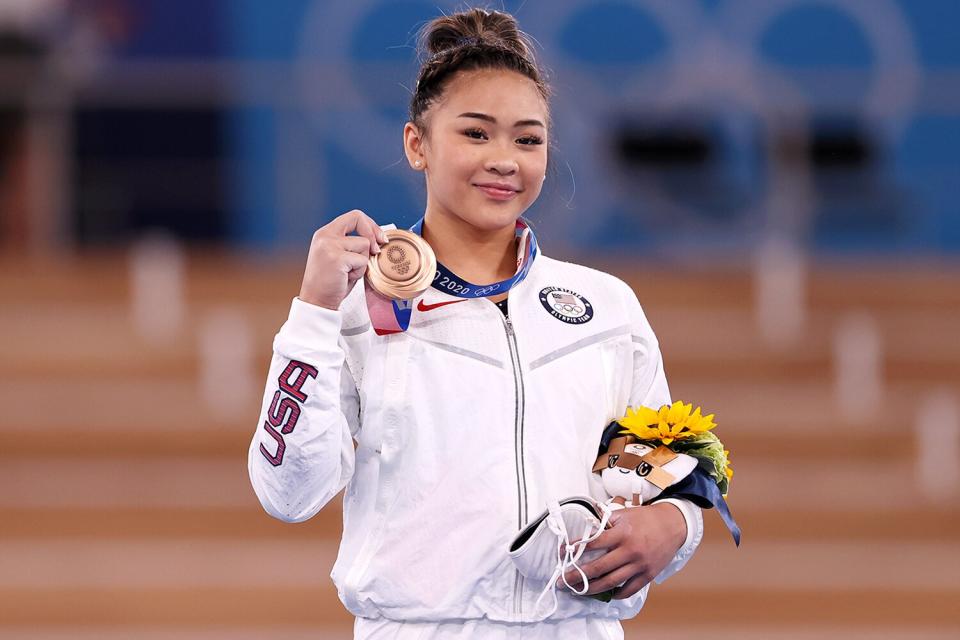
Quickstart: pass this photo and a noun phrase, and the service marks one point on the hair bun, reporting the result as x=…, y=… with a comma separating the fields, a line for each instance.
x=474, y=28
x=473, y=39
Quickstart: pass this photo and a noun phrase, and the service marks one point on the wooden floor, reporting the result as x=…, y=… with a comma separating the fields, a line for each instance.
x=126, y=512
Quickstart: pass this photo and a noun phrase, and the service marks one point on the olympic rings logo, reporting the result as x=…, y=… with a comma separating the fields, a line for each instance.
x=485, y=291
x=568, y=309
x=739, y=71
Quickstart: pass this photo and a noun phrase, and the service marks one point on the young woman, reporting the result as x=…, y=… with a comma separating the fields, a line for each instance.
x=452, y=435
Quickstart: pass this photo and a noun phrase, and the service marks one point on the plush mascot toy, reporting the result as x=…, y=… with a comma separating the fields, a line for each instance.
x=634, y=473
x=648, y=455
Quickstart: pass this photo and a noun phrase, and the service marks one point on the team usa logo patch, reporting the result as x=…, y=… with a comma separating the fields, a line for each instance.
x=566, y=305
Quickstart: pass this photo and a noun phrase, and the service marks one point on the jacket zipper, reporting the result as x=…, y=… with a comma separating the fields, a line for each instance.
x=518, y=453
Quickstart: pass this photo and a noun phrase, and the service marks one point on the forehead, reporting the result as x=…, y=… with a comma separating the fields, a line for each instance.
x=505, y=95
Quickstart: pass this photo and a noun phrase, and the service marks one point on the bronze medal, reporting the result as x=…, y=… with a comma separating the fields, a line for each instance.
x=404, y=268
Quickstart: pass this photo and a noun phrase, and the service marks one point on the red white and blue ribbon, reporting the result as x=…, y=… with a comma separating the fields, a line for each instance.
x=449, y=282
x=393, y=316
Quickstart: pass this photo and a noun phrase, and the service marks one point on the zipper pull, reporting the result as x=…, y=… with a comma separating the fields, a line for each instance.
x=509, y=325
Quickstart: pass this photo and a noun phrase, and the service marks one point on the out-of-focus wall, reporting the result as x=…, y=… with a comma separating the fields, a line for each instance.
x=698, y=125
x=701, y=123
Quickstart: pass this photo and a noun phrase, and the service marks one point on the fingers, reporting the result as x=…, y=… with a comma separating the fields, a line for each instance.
x=353, y=262
x=354, y=275
x=606, y=540
x=347, y=222
x=358, y=222
x=632, y=586
x=339, y=254
x=356, y=244
x=610, y=571
x=603, y=574
x=603, y=565
x=373, y=233
x=611, y=581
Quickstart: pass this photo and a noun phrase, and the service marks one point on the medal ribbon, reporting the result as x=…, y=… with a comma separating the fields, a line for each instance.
x=449, y=282
x=393, y=316
x=387, y=316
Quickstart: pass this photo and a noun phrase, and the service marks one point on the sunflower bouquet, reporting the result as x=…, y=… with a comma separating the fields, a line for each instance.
x=645, y=456
x=648, y=455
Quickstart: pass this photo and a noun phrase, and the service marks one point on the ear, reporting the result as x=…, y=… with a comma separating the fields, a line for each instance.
x=413, y=147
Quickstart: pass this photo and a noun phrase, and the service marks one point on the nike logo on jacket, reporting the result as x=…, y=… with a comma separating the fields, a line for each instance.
x=430, y=307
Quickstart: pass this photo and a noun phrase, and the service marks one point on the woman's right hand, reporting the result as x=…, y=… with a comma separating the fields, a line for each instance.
x=337, y=259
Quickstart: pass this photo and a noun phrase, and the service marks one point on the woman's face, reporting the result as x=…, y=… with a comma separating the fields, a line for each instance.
x=485, y=153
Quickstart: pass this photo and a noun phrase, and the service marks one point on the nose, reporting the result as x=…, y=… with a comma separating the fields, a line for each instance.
x=502, y=165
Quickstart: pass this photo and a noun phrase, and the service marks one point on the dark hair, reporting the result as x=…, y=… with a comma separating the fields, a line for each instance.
x=474, y=39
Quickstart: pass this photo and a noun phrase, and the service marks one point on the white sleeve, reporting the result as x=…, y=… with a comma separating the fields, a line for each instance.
x=650, y=389
x=693, y=516
x=302, y=452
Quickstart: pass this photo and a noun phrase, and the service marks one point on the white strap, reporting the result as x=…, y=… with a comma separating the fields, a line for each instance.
x=568, y=555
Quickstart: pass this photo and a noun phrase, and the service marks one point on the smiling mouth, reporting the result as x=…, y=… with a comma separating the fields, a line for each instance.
x=497, y=193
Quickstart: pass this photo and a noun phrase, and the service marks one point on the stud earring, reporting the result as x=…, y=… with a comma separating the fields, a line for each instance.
x=417, y=164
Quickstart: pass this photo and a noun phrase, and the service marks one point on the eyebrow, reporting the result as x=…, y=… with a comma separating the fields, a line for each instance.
x=492, y=120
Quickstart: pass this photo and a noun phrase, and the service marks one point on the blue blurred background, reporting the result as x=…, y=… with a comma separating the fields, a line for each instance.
x=777, y=179
x=702, y=124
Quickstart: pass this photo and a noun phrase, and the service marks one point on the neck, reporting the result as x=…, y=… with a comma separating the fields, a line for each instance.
x=477, y=255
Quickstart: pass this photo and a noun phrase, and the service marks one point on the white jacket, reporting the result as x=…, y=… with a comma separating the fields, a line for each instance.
x=465, y=425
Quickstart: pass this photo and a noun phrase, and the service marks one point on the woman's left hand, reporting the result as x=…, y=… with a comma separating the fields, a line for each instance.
x=639, y=543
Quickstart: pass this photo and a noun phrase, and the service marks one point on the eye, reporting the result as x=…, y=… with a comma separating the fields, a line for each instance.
x=476, y=134
x=530, y=140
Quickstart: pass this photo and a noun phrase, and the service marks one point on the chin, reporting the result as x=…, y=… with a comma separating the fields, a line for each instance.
x=495, y=221
x=491, y=218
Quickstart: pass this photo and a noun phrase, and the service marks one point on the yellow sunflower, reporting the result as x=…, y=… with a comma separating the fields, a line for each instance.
x=672, y=422
x=727, y=469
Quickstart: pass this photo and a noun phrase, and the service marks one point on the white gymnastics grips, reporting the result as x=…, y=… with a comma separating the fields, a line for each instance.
x=555, y=541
